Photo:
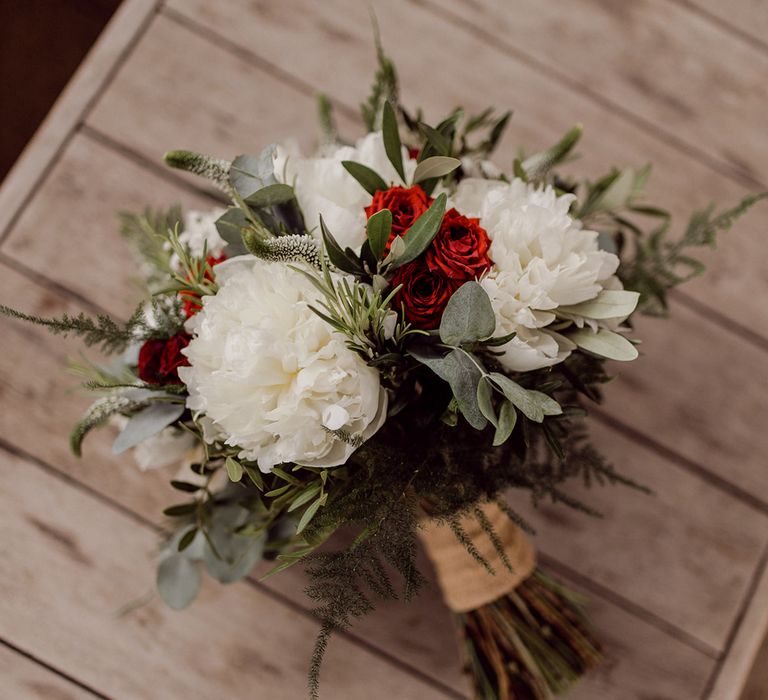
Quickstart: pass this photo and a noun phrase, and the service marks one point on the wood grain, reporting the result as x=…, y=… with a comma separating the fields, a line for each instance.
x=23, y=679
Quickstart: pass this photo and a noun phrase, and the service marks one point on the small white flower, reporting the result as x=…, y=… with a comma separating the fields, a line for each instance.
x=324, y=187
x=542, y=259
x=199, y=233
x=273, y=377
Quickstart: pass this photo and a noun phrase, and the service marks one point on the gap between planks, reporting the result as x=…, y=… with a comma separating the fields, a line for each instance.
x=279, y=598
x=52, y=669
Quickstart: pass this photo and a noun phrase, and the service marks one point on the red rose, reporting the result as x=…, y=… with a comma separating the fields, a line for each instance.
x=460, y=248
x=406, y=204
x=191, y=300
x=159, y=360
x=424, y=293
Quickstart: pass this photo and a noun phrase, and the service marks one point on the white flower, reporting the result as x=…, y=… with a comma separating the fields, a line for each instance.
x=199, y=233
x=324, y=187
x=542, y=259
x=273, y=376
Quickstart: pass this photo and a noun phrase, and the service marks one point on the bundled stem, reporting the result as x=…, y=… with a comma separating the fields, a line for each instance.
x=531, y=644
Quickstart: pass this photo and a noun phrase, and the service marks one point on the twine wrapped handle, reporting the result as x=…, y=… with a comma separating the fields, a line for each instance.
x=466, y=584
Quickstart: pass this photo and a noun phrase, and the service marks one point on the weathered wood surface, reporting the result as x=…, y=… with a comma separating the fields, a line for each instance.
x=675, y=579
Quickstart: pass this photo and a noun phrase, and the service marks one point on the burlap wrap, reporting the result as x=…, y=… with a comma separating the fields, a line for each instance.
x=467, y=585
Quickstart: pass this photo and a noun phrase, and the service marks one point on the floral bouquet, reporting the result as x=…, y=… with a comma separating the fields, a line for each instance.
x=394, y=337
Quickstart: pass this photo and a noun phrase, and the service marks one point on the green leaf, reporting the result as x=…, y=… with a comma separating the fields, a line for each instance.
x=250, y=173
x=178, y=581
x=234, y=469
x=507, y=420
x=371, y=181
x=435, y=166
x=609, y=303
x=538, y=165
x=485, y=401
x=270, y=196
x=463, y=376
x=230, y=226
x=379, y=229
x=185, y=486
x=187, y=539
x=604, y=343
x=439, y=143
x=392, y=145
x=418, y=237
x=620, y=191
x=308, y=514
x=534, y=405
x=336, y=255
x=255, y=476
x=304, y=497
x=180, y=510
x=468, y=316
x=145, y=424
x=229, y=557
x=499, y=340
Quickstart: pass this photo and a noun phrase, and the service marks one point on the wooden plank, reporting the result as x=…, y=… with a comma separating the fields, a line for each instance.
x=113, y=44
x=295, y=37
x=686, y=554
x=23, y=679
x=71, y=562
x=633, y=72
x=33, y=383
x=749, y=646
x=746, y=18
x=687, y=340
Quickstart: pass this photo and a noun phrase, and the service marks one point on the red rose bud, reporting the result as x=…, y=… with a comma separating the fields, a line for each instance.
x=159, y=360
x=424, y=294
x=460, y=248
x=406, y=204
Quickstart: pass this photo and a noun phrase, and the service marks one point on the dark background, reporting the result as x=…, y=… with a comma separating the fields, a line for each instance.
x=41, y=44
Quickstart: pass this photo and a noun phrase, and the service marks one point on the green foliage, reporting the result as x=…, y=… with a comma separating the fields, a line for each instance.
x=147, y=233
x=291, y=248
x=102, y=331
x=98, y=414
x=659, y=264
x=385, y=86
x=329, y=133
x=215, y=170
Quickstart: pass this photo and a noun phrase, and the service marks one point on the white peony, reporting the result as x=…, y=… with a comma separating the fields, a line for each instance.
x=274, y=377
x=324, y=187
x=199, y=233
x=542, y=259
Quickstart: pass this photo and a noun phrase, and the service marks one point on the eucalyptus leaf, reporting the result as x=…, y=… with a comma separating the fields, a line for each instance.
x=379, y=229
x=435, y=166
x=270, y=196
x=370, y=180
x=610, y=303
x=463, y=376
x=534, y=405
x=392, y=145
x=485, y=401
x=230, y=226
x=238, y=554
x=421, y=233
x=468, y=316
x=249, y=173
x=178, y=580
x=145, y=424
x=604, y=343
x=507, y=421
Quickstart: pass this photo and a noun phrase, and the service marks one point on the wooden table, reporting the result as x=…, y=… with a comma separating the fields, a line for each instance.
x=677, y=581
